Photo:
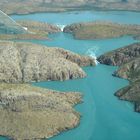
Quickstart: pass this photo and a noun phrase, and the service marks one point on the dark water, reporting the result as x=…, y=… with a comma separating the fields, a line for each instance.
x=104, y=117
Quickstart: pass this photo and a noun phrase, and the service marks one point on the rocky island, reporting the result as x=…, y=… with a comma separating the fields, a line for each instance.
x=101, y=30
x=128, y=60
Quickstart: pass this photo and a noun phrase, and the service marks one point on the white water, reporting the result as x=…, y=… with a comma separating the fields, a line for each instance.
x=92, y=53
x=61, y=26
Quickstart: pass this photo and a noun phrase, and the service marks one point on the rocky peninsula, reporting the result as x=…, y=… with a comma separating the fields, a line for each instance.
x=30, y=113
x=101, y=30
x=34, y=6
x=34, y=30
x=26, y=62
x=128, y=60
x=24, y=29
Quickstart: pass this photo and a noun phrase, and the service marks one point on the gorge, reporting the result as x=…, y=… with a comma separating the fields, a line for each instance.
x=103, y=116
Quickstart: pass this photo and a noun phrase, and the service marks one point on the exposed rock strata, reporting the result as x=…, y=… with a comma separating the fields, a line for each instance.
x=101, y=30
x=28, y=112
x=121, y=56
x=25, y=62
x=128, y=58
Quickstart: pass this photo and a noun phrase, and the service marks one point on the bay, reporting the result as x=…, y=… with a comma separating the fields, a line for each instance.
x=104, y=117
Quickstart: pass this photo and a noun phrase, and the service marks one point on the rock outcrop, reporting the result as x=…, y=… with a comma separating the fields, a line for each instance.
x=131, y=93
x=121, y=56
x=101, y=30
x=130, y=70
x=26, y=62
x=128, y=60
x=30, y=113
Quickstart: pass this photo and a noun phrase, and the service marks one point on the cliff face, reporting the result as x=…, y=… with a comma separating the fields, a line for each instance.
x=25, y=62
x=128, y=60
x=121, y=56
x=31, y=6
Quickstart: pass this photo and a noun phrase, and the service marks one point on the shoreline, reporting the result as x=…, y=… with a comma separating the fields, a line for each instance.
x=63, y=105
x=73, y=10
x=60, y=132
x=102, y=30
x=127, y=59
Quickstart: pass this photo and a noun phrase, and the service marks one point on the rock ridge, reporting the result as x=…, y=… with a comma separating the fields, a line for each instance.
x=26, y=62
x=128, y=60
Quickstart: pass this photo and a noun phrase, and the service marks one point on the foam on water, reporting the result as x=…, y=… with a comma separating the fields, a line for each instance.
x=61, y=26
x=92, y=53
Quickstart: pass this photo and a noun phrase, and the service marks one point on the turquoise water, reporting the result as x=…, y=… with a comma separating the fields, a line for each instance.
x=71, y=17
x=104, y=117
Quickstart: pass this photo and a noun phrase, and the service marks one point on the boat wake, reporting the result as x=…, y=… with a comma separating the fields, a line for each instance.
x=61, y=26
x=92, y=53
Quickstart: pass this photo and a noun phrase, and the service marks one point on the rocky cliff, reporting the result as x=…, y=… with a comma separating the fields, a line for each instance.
x=26, y=62
x=121, y=56
x=128, y=60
